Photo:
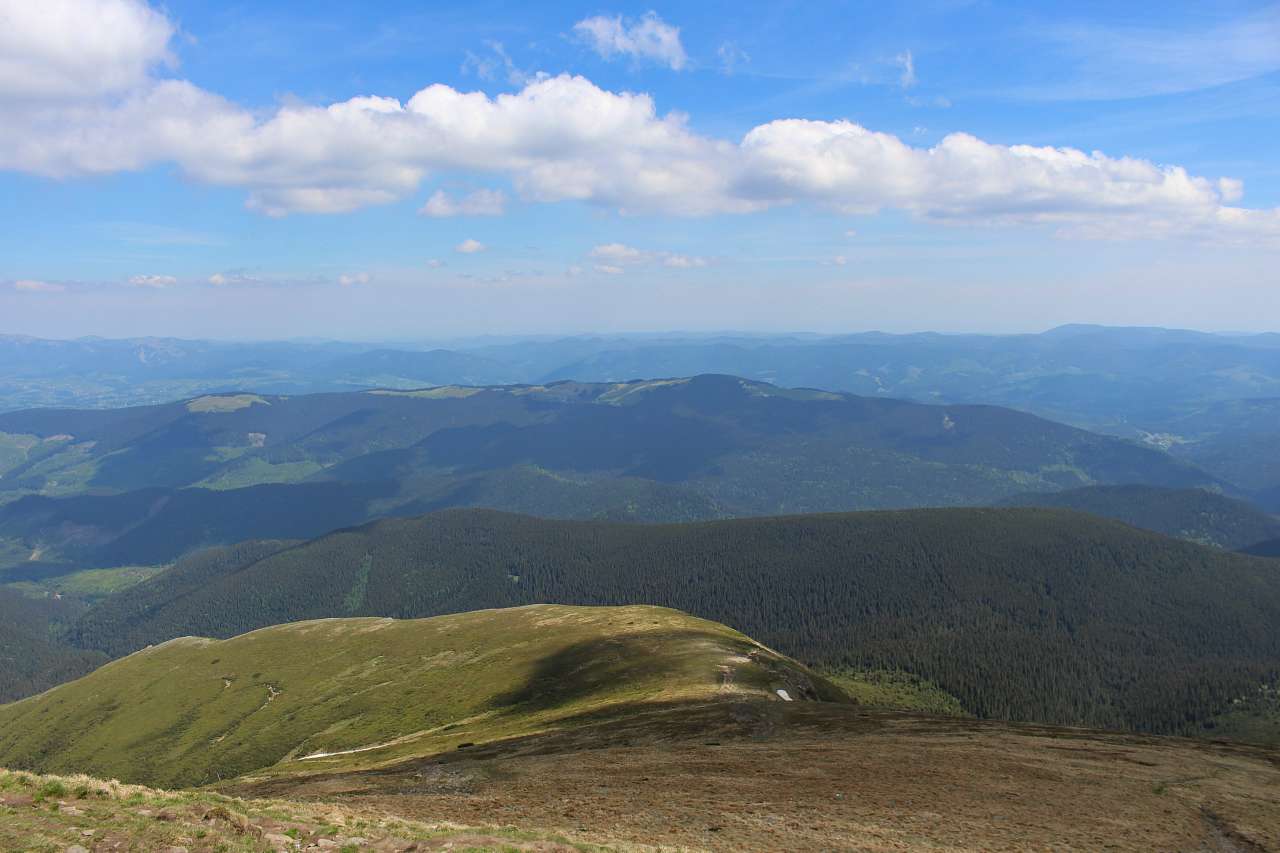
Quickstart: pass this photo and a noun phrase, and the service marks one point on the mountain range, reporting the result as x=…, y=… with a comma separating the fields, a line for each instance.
x=144, y=485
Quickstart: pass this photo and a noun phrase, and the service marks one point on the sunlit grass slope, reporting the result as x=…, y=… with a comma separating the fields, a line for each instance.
x=195, y=711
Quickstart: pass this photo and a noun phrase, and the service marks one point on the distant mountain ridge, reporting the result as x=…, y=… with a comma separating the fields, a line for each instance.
x=1192, y=393
x=150, y=483
x=1193, y=514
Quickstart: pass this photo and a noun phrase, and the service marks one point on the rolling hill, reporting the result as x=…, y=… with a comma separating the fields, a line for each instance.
x=148, y=484
x=1027, y=614
x=572, y=727
x=1193, y=514
x=326, y=694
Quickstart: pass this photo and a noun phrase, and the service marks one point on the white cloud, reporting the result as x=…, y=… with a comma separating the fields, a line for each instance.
x=224, y=279
x=351, y=279
x=614, y=258
x=478, y=203
x=647, y=38
x=684, y=262
x=156, y=281
x=33, y=286
x=565, y=139
x=617, y=253
x=908, y=64
x=839, y=260
x=469, y=246
x=851, y=232
x=76, y=49
x=435, y=263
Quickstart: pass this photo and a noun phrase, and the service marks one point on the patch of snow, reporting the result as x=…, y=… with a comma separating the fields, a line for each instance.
x=784, y=695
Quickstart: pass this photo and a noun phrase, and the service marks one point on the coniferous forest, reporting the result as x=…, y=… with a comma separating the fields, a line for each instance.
x=1022, y=614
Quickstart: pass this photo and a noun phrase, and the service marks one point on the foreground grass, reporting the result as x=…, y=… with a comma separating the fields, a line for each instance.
x=61, y=813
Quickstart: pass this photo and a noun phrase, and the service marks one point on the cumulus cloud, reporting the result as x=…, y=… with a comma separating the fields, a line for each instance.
x=156, y=281
x=29, y=285
x=565, y=139
x=478, y=203
x=648, y=38
x=77, y=49
x=469, y=246
x=351, y=279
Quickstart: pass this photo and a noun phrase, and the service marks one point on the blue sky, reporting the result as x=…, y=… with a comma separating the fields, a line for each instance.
x=201, y=169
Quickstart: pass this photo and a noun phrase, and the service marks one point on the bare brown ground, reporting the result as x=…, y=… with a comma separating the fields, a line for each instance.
x=805, y=776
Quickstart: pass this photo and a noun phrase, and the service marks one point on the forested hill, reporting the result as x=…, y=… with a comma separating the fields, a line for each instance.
x=1193, y=514
x=668, y=450
x=1030, y=614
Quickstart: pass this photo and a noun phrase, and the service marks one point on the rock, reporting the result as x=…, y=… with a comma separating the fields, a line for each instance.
x=238, y=822
x=278, y=841
x=71, y=811
x=75, y=848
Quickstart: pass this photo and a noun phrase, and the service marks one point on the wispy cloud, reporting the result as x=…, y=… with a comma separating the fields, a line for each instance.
x=469, y=246
x=354, y=278
x=907, y=78
x=648, y=38
x=31, y=285
x=1105, y=63
x=615, y=258
x=731, y=57
x=153, y=281
x=496, y=64
x=479, y=203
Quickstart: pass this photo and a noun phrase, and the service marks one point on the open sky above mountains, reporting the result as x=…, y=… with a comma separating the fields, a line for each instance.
x=199, y=168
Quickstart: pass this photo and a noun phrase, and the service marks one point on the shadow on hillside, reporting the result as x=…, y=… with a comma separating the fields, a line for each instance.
x=636, y=663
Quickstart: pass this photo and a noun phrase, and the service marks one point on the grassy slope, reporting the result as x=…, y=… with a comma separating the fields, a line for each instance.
x=897, y=691
x=193, y=711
